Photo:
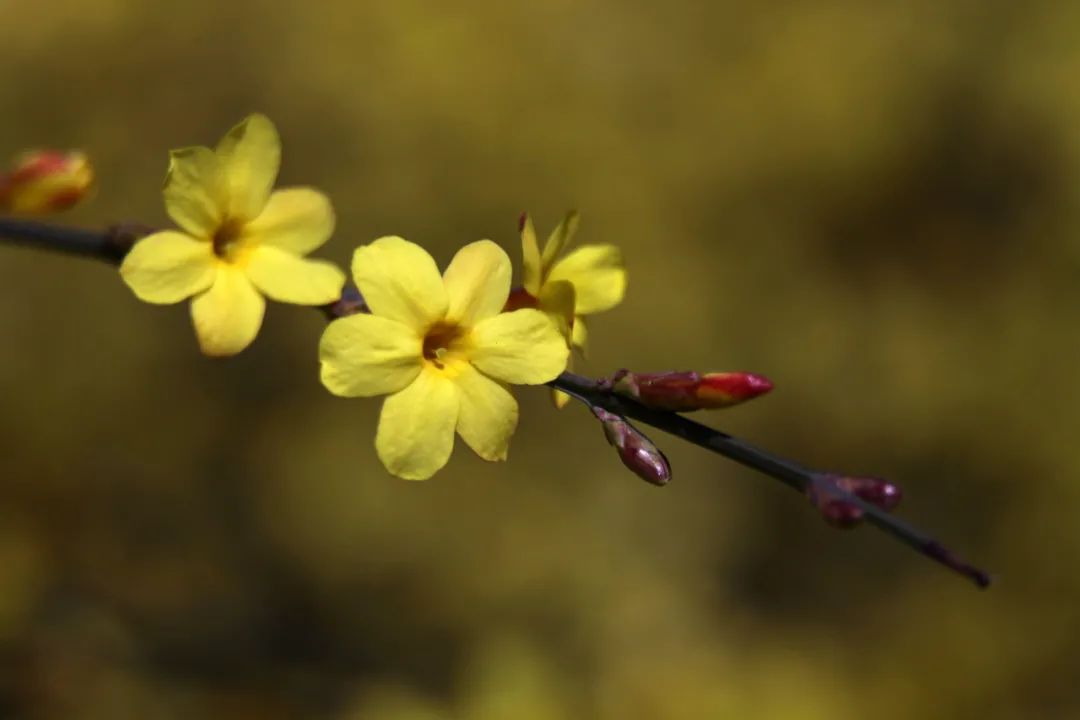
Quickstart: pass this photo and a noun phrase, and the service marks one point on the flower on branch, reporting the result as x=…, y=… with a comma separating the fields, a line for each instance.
x=589, y=279
x=239, y=240
x=442, y=349
x=45, y=181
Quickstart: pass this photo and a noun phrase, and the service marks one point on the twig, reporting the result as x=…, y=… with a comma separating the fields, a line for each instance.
x=112, y=244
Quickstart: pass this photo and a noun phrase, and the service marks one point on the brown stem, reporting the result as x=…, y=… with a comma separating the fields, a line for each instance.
x=112, y=244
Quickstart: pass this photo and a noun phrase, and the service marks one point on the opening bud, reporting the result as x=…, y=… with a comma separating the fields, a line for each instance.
x=827, y=491
x=685, y=391
x=636, y=451
x=45, y=181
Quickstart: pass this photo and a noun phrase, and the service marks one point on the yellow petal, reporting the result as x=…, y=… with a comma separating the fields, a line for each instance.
x=295, y=219
x=558, y=398
x=580, y=334
x=560, y=238
x=365, y=355
x=285, y=277
x=250, y=156
x=227, y=317
x=532, y=271
x=598, y=276
x=416, y=427
x=399, y=280
x=196, y=193
x=167, y=267
x=523, y=347
x=477, y=282
x=557, y=300
x=488, y=414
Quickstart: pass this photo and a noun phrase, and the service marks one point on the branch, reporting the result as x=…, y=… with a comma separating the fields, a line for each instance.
x=795, y=476
x=113, y=243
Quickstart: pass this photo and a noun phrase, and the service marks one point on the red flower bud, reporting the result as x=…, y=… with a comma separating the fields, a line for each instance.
x=46, y=181
x=689, y=390
x=636, y=451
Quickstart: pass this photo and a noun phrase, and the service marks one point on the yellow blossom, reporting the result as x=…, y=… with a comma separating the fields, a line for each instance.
x=588, y=280
x=441, y=349
x=239, y=240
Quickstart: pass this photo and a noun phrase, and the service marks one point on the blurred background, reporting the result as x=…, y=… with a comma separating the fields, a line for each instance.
x=875, y=204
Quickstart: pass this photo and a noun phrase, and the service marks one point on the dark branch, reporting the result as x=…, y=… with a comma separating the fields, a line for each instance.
x=112, y=244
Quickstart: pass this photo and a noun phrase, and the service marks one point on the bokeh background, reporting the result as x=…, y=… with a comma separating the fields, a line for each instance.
x=876, y=204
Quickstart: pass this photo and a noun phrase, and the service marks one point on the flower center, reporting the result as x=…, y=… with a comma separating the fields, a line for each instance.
x=226, y=239
x=443, y=344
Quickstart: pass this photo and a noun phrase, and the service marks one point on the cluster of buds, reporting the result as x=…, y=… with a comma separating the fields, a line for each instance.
x=636, y=451
x=45, y=181
x=829, y=494
x=689, y=390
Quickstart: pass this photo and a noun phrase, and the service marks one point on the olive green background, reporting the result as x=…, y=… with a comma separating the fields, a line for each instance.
x=876, y=204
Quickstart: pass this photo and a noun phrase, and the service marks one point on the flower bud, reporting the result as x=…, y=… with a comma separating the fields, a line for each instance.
x=45, y=181
x=876, y=491
x=827, y=491
x=687, y=391
x=636, y=451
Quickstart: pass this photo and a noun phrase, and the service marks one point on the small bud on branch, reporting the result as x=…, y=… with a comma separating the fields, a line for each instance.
x=636, y=451
x=45, y=181
x=830, y=494
x=686, y=391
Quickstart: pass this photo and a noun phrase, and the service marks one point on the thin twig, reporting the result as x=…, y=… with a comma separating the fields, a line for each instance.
x=112, y=244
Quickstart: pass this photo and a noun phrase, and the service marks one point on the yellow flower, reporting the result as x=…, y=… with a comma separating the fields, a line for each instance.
x=595, y=272
x=588, y=280
x=238, y=241
x=442, y=349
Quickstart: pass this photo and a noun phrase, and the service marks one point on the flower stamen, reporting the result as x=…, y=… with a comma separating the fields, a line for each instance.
x=226, y=238
x=441, y=342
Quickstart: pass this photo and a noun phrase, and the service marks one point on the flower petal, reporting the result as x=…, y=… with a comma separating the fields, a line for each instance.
x=167, y=267
x=531, y=269
x=399, y=280
x=285, y=277
x=250, y=156
x=477, y=282
x=365, y=355
x=227, y=317
x=580, y=336
x=196, y=192
x=294, y=219
x=560, y=238
x=523, y=347
x=488, y=415
x=416, y=427
x=557, y=300
x=558, y=398
x=598, y=276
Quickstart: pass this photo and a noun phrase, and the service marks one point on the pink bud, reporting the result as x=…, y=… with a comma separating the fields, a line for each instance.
x=636, y=451
x=827, y=492
x=876, y=491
